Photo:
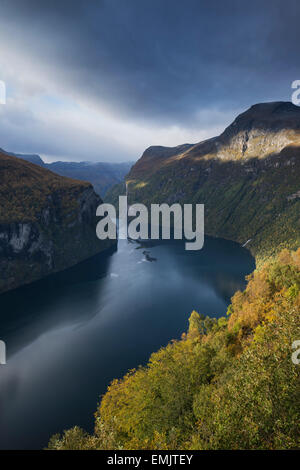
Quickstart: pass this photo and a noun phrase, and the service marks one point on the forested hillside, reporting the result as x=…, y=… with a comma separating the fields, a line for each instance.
x=227, y=384
x=47, y=222
x=248, y=178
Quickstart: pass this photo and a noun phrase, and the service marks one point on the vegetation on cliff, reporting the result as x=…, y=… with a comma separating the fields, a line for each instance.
x=26, y=188
x=248, y=178
x=227, y=384
x=47, y=222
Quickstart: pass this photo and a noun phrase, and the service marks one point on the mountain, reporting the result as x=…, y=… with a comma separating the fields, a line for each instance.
x=102, y=175
x=47, y=222
x=248, y=178
x=32, y=158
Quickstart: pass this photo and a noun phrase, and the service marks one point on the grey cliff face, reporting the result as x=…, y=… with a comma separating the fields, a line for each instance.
x=32, y=250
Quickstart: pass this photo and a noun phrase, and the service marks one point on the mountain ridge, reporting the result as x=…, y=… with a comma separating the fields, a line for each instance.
x=102, y=175
x=234, y=175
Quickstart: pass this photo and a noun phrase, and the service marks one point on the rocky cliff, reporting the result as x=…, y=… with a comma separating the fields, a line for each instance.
x=47, y=222
x=248, y=178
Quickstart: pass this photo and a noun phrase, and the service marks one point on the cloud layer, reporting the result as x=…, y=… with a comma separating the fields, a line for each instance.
x=105, y=79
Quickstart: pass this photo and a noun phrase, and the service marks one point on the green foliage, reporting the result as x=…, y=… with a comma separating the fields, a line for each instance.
x=244, y=200
x=227, y=384
x=73, y=439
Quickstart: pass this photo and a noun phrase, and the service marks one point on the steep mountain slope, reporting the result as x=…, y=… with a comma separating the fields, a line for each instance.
x=47, y=222
x=102, y=175
x=248, y=178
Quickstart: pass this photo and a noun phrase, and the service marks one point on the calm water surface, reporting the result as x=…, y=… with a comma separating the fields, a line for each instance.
x=68, y=336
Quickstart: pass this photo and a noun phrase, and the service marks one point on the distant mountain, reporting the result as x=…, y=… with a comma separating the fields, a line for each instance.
x=102, y=175
x=248, y=178
x=47, y=222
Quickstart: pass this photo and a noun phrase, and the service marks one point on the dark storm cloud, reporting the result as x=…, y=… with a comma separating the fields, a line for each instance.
x=163, y=60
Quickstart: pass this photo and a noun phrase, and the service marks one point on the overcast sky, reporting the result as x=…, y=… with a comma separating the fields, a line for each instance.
x=104, y=79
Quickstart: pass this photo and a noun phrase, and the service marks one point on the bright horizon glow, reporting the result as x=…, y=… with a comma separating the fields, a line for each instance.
x=90, y=82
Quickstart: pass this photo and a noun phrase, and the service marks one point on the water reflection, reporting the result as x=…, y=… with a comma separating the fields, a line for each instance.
x=71, y=334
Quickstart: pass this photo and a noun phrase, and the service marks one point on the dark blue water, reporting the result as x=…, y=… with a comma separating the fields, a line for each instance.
x=68, y=336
